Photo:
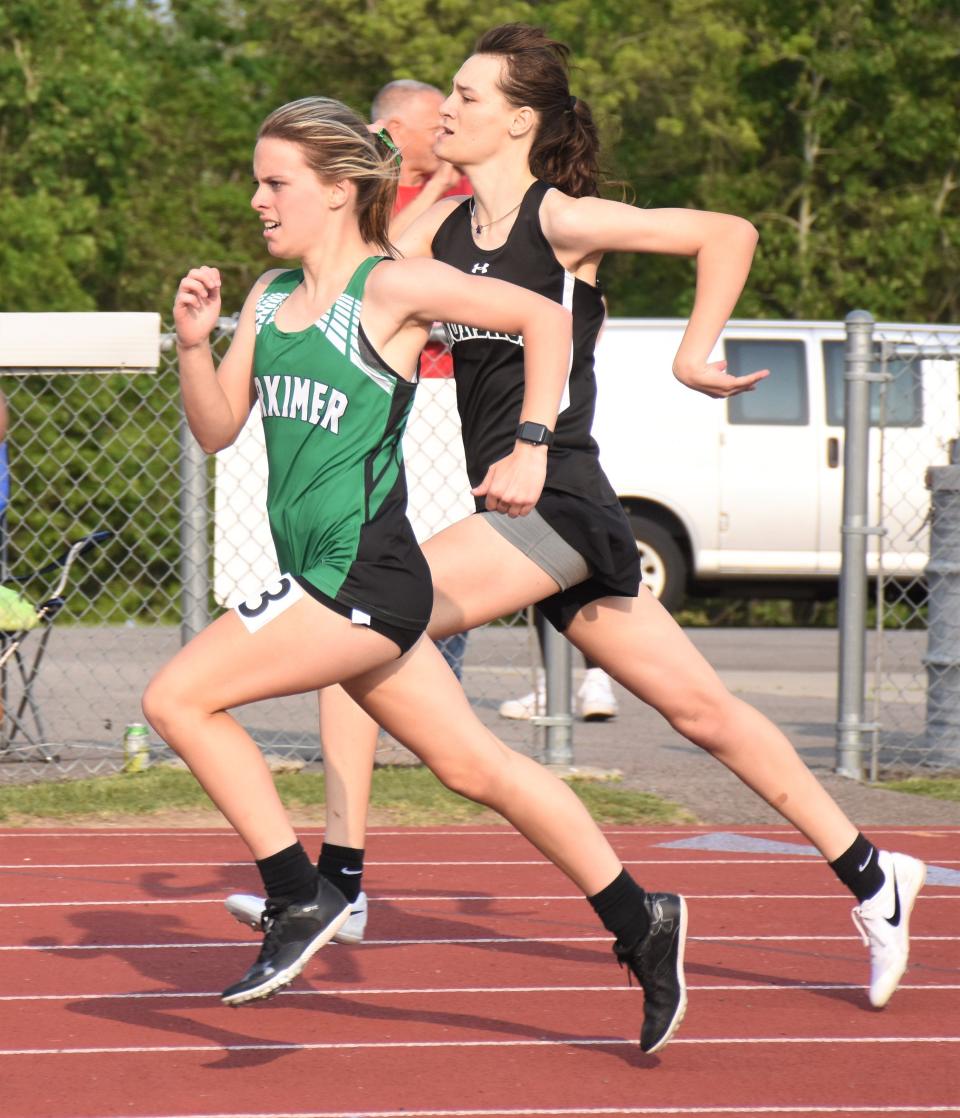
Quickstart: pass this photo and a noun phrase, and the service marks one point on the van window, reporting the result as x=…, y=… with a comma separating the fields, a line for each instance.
x=782, y=397
x=904, y=402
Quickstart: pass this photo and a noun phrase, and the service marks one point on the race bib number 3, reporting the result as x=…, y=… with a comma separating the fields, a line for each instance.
x=276, y=597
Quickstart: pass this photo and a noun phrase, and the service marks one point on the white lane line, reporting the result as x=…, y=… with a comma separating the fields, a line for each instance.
x=586, y=1112
x=582, y=1042
x=756, y=860
x=487, y=898
x=933, y=831
x=227, y=833
x=455, y=941
x=396, y=991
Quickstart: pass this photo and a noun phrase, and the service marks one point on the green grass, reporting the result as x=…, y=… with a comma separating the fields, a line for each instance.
x=158, y=789
x=937, y=787
x=610, y=802
x=404, y=795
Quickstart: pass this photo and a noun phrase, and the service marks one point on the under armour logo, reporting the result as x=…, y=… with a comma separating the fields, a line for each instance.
x=480, y=269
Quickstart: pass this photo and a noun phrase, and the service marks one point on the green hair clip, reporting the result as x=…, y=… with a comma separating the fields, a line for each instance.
x=384, y=136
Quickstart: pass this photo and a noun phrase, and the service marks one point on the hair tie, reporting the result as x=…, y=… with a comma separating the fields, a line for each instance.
x=573, y=103
x=387, y=140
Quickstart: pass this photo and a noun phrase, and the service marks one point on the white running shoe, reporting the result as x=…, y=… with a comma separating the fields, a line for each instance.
x=248, y=909
x=883, y=921
x=524, y=708
x=595, y=699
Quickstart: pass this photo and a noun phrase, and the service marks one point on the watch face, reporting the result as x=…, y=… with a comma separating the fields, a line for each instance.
x=536, y=433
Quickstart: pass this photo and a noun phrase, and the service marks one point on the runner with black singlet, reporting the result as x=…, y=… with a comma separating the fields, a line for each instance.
x=513, y=126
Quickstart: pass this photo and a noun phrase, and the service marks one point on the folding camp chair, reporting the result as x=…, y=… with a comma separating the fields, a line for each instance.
x=19, y=617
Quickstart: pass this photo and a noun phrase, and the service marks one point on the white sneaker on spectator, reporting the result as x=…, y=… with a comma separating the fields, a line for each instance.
x=524, y=708
x=884, y=923
x=595, y=699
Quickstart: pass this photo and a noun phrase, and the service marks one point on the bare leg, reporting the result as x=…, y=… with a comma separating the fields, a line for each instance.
x=637, y=642
x=225, y=666
x=470, y=760
x=349, y=739
x=640, y=644
x=302, y=647
x=650, y=928
x=349, y=736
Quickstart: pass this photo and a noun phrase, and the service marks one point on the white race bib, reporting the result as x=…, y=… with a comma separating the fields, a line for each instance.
x=276, y=597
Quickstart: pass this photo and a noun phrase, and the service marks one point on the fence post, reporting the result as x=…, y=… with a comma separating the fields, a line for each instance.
x=853, y=569
x=558, y=722
x=942, y=659
x=194, y=549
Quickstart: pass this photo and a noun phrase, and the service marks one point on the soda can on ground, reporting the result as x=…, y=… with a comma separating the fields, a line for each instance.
x=136, y=748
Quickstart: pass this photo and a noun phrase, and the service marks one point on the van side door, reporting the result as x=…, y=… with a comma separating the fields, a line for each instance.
x=658, y=439
x=770, y=460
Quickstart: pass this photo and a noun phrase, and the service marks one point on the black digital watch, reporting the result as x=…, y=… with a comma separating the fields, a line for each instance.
x=537, y=434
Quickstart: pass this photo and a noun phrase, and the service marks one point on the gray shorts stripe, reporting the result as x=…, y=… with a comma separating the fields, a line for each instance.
x=537, y=540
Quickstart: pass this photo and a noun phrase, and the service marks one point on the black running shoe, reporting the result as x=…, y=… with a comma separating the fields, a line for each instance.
x=293, y=934
x=657, y=961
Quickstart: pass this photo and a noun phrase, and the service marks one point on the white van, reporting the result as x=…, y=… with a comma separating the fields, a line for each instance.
x=747, y=490
x=750, y=489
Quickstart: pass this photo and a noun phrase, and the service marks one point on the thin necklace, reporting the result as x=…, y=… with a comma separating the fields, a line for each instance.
x=478, y=228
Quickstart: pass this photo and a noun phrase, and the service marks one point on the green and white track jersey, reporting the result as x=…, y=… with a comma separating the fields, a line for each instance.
x=333, y=420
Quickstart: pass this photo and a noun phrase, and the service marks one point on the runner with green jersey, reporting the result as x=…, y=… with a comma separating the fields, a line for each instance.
x=333, y=420
x=330, y=352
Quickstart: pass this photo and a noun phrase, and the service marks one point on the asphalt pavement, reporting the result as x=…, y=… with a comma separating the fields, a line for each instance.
x=790, y=675
x=91, y=680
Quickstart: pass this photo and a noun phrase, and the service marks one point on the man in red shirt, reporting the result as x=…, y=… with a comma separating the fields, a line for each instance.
x=410, y=112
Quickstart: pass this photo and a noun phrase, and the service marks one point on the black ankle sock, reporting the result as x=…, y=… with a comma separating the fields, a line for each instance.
x=859, y=869
x=343, y=867
x=289, y=873
x=620, y=906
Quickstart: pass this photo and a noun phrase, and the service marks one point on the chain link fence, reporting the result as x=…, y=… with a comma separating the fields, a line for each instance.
x=92, y=452
x=911, y=425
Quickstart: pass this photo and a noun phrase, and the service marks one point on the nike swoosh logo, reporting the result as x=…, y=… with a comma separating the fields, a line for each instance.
x=895, y=918
x=351, y=873
x=867, y=862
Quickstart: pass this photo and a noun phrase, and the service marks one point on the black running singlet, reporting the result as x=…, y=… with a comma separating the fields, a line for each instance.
x=488, y=366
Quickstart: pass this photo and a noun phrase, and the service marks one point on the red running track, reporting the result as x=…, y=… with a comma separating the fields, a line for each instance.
x=485, y=988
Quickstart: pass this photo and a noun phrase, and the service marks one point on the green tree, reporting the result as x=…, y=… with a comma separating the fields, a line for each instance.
x=211, y=84
x=854, y=184
x=126, y=129
x=69, y=107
